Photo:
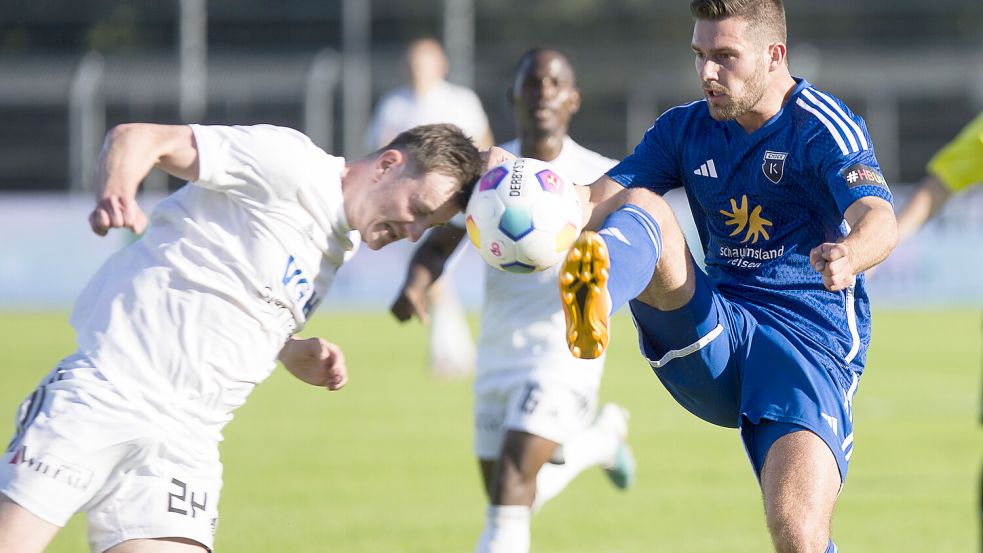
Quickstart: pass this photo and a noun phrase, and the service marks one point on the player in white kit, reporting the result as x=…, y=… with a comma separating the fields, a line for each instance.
x=175, y=330
x=535, y=404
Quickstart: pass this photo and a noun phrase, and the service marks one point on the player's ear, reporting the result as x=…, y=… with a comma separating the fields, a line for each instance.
x=777, y=51
x=387, y=160
x=574, y=100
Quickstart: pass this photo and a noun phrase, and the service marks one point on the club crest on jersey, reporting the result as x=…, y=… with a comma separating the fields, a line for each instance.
x=773, y=165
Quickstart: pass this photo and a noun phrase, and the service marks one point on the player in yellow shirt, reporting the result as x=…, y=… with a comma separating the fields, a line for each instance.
x=956, y=167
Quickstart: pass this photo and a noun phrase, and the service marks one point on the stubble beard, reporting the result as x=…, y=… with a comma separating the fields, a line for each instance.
x=754, y=90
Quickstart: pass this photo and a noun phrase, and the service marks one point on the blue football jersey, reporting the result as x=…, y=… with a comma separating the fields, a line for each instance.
x=762, y=201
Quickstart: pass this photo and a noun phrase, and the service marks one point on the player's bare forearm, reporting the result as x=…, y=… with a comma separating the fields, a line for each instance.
x=315, y=361
x=873, y=235
x=601, y=201
x=873, y=232
x=426, y=266
x=924, y=203
x=129, y=152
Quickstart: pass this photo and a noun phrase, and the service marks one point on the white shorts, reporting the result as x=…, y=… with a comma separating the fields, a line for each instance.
x=544, y=405
x=79, y=445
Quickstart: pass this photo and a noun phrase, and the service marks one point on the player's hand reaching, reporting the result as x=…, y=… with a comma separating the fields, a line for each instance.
x=411, y=302
x=495, y=155
x=114, y=211
x=833, y=262
x=315, y=361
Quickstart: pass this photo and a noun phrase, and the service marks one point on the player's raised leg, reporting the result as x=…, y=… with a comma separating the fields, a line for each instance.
x=638, y=251
x=800, y=481
x=21, y=531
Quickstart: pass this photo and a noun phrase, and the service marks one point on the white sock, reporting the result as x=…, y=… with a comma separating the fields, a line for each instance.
x=594, y=446
x=506, y=530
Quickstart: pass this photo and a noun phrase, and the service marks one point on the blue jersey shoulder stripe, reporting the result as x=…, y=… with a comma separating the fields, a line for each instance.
x=834, y=117
x=832, y=109
x=830, y=126
x=849, y=120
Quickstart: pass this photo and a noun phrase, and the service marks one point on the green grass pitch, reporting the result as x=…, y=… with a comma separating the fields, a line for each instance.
x=385, y=465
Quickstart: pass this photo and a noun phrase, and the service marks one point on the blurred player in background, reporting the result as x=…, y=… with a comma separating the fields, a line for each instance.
x=534, y=407
x=955, y=168
x=176, y=330
x=791, y=208
x=429, y=98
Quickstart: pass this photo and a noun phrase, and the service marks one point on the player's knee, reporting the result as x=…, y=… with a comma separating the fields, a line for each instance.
x=651, y=202
x=794, y=533
x=513, y=485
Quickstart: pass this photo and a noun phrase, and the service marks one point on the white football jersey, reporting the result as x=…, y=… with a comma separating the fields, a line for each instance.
x=402, y=109
x=522, y=323
x=190, y=317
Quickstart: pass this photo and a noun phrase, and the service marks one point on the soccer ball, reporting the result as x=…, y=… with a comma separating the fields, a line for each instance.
x=523, y=216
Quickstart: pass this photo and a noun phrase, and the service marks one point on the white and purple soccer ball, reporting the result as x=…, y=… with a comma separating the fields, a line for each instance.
x=523, y=216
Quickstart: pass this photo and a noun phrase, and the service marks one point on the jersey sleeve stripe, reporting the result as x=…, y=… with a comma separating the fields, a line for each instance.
x=847, y=118
x=833, y=116
x=833, y=130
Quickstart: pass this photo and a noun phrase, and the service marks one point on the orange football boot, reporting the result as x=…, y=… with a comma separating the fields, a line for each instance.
x=584, y=295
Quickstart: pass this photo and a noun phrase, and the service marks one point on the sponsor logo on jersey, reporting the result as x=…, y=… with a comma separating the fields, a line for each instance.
x=749, y=258
x=73, y=476
x=863, y=175
x=753, y=226
x=773, y=165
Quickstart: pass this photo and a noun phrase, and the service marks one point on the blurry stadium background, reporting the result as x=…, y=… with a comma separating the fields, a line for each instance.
x=913, y=69
x=71, y=70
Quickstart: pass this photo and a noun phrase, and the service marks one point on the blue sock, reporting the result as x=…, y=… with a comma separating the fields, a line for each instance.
x=634, y=244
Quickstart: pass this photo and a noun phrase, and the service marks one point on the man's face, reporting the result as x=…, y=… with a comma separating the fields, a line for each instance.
x=398, y=207
x=732, y=66
x=543, y=95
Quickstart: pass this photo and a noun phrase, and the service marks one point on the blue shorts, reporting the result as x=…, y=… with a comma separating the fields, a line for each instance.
x=733, y=369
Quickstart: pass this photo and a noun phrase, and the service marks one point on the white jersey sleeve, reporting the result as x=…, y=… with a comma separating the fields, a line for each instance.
x=261, y=162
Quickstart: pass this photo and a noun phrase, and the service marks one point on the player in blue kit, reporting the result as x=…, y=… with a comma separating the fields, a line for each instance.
x=791, y=208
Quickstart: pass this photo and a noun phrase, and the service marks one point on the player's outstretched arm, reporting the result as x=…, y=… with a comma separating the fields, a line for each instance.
x=873, y=235
x=128, y=153
x=315, y=361
x=425, y=267
x=924, y=203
